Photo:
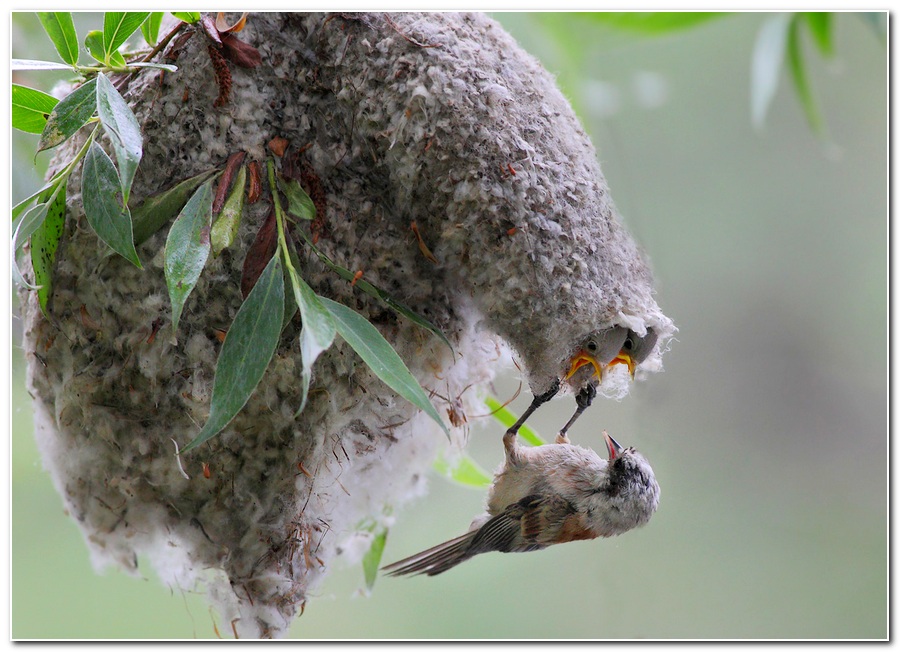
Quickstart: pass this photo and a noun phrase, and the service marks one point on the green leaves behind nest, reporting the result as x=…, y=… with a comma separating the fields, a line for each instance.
x=507, y=418
x=779, y=43
x=465, y=471
x=372, y=559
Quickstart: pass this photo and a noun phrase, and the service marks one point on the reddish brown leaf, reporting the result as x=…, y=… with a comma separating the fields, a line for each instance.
x=223, y=26
x=422, y=246
x=208, y=23
x=240, y=53
x=255, y=189
x=278, y=145
x=225, y=181
x=259, y=254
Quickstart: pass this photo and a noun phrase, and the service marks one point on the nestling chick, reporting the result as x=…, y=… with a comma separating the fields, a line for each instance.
x=546, y=495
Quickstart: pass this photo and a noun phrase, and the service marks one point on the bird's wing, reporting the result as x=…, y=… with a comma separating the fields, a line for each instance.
x=517, y=528
x=434, y=560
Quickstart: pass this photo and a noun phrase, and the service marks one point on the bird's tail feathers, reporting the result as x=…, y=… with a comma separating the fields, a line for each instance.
x=435, y=560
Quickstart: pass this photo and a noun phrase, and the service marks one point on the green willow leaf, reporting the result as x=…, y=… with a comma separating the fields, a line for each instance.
x=801, y=81
x=23, y=228
x=155, y=211
x=150, y=27
x=378, y=293
x=187, y=249
x=246, y=352
x=25, y=203
x=507, y=418
x=225, y=228
x=44, y=243
x=149, y=64
x=651, y=22
x=768, y=58
x=118, y=26
x=381, y=357
x=189, y=17
x=31, y=108
x=466, y=472
x=123, y=130
x=99, y=190
x=28, y=224
x=820, y=25
x=372, y=559
x=300, y=205
x=61, y=30
x=69, y=115
x=319, y=328
x=36, y=64
x=93, y=42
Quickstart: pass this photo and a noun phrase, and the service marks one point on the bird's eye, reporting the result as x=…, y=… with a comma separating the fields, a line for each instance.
x=629, y=344
x=592, y=346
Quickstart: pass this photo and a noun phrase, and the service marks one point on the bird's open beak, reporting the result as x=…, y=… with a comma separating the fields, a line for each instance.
x=625, y=359
x=581, y=359
x=612, y=446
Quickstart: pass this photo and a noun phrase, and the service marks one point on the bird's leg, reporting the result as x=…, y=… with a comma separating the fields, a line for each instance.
x=583, y=400
x=509, y=439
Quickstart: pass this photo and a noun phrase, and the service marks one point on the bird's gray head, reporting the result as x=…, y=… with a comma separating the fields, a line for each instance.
x=635, y=349
x=603, y=349
x=597, y=351
x=631, y=487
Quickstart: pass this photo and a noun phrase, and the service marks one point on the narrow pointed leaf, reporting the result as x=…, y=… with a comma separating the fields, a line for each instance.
x=61, y=30
x=69, y=115
x=300, y=205
x=801, y=81
x=93, y=42
x=246, y=352
x=506, y=417
x=319, y=328
x=23, y=228
x=189, y=17
x=44, y=243
x=149, y=64
x=35, y=64
x=106, y=215
x=225, y=228
x=30, y=108
x=25, y=203
x=372, y=559
x=187, y=249
x=651, y=22
x=466, y=472
x=820, y=23
x=118, y=26
x=154, y=212
x=150, y=27
x=376, y=352
x=28, y=224
x=379, y=294
x=768, y=59
x=123, y=130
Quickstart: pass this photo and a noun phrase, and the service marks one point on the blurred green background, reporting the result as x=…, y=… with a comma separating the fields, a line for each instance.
x=767, y=431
